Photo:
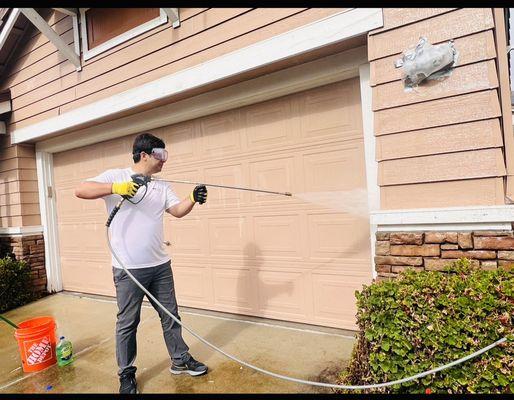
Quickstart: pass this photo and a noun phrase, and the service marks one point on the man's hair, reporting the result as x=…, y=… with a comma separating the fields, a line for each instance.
x=145, y=142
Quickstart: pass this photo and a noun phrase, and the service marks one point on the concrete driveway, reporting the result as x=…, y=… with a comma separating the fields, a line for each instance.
x=290, y=349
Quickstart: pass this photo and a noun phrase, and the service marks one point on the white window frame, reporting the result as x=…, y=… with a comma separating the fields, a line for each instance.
x=115, y=41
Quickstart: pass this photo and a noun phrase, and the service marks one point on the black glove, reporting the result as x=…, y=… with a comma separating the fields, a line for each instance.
x=199, y=194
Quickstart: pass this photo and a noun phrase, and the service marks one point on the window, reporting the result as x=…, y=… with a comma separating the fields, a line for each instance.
x=104, y=28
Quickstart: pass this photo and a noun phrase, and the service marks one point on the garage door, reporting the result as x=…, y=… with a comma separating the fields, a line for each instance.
x=297, y=258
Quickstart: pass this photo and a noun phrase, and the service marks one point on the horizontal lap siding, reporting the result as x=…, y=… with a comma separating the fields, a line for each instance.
x=19, y=198
x=441, y=144
x=396, y=17
x=57, y=88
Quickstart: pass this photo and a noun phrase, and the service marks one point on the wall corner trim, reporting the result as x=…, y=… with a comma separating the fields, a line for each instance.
x=451, y=218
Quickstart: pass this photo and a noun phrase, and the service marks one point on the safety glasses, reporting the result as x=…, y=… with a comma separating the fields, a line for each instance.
x=160, y=154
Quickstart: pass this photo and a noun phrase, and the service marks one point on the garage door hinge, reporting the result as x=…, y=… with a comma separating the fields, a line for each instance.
x=49, y=192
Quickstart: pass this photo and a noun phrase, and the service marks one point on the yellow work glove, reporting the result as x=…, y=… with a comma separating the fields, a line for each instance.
x=128, y=188
x=199, y=194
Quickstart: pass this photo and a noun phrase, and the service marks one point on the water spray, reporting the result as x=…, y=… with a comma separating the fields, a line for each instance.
x=143, y=181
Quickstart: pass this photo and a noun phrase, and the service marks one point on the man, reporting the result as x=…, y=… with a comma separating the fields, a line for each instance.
x=137, y=239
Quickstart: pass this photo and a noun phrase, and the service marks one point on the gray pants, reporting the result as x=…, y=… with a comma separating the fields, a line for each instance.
x=159, y=282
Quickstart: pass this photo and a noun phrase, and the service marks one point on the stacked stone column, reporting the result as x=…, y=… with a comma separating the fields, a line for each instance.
x=30, y=249
x=432, y=251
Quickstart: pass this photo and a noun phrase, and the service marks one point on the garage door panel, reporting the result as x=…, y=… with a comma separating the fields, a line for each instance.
x=233, y=290
x=296, y=258
x=274, y=174
x=188, y=236
x=227, y=236
x=73, y=209
x=269, y=124
x=335, y=235
x=277, y=236
x=334, y=298
x=76, y=272
x=328, y=170
x=70, y=203
x=281, y=293
x=81, y=239
x=226, y=175
x=181, y=141
x=114, y=155
x=62, y=174
x=328, y=111
x=192, y=284
x=221, y=134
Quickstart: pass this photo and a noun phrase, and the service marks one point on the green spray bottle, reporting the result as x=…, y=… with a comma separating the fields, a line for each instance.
x=64, y=352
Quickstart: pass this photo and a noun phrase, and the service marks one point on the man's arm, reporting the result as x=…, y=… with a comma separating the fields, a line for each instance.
x=93, y=190
x=96, y=190
x=181, y=209
x=199, y=194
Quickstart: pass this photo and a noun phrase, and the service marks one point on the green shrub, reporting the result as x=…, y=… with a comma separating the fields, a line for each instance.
x=15, y=286
x=423, y=320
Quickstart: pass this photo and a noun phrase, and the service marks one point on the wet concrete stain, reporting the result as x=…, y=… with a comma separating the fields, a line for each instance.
x=286, y=352
x=330, y=374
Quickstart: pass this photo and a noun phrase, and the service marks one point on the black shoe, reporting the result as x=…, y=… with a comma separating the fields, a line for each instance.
x=191, y=367
x=128, y=384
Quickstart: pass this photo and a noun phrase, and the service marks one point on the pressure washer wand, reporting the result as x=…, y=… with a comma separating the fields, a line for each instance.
x=223, y=186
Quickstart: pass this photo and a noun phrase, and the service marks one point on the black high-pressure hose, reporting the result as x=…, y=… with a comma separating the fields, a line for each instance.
x=143, y=181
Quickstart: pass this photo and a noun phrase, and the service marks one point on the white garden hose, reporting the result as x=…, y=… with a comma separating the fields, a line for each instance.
x=287, y=378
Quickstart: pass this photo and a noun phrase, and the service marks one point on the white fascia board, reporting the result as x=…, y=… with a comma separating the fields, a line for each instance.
x=450, y=215
x=5, y=106
x=320, y=33
x=6, y=29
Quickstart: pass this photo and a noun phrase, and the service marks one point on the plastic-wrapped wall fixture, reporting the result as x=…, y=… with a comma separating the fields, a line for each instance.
x=427, y=61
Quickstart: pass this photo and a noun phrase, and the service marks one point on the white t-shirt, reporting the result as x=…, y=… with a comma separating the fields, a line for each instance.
x=137, y=229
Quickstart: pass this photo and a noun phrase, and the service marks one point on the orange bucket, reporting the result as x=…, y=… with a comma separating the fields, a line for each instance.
x=36, y=342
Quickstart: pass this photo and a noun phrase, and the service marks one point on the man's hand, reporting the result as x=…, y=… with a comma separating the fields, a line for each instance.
x=199, y=194
x=128, y=188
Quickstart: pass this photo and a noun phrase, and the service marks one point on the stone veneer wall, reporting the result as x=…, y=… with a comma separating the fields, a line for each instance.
x=431, y=251
x=32, y=250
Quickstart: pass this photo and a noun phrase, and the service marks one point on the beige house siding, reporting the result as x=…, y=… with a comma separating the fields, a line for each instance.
x=443, y=139
x=19, y=202
x=50, y=86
